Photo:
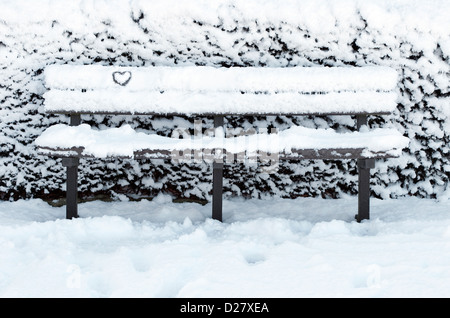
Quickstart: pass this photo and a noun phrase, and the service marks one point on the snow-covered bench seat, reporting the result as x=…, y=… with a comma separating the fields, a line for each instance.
x=207, y=91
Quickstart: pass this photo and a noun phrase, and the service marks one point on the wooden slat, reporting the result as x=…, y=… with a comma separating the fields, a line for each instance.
x=73, y=152
x=211, y=114
x=208, y=155
x=208, y=78
x=332, y=154
x=218, y=103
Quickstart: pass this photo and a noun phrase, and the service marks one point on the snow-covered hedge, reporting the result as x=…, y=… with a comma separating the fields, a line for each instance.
x=412, y=37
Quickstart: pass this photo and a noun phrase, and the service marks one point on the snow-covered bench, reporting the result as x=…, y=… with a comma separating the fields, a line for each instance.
x=207, y=91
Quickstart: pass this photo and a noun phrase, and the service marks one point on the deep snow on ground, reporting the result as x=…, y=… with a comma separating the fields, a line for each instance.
x=264, y=248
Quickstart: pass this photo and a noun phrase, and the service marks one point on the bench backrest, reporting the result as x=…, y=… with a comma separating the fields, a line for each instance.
x=189, y=90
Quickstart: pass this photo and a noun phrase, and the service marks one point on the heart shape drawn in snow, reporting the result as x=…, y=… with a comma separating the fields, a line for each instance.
x=121, y=78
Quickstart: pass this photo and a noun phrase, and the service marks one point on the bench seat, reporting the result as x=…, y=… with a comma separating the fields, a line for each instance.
x=83, y=141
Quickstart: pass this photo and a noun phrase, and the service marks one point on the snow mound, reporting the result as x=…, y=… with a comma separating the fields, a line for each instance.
x=124, y=141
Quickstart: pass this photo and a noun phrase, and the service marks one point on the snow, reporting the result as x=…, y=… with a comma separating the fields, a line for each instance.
x=175, y=102
x=201, y=89
x=223, y=79
x=264, y=248
x=271, y=247
x=124, y=141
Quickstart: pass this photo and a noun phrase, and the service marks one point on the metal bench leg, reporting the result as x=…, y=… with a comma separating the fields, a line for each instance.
x=364, y=166
x=217, y=180
x=71, y=165
x=217, y=191
x=363, y=179
x=71, y=187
